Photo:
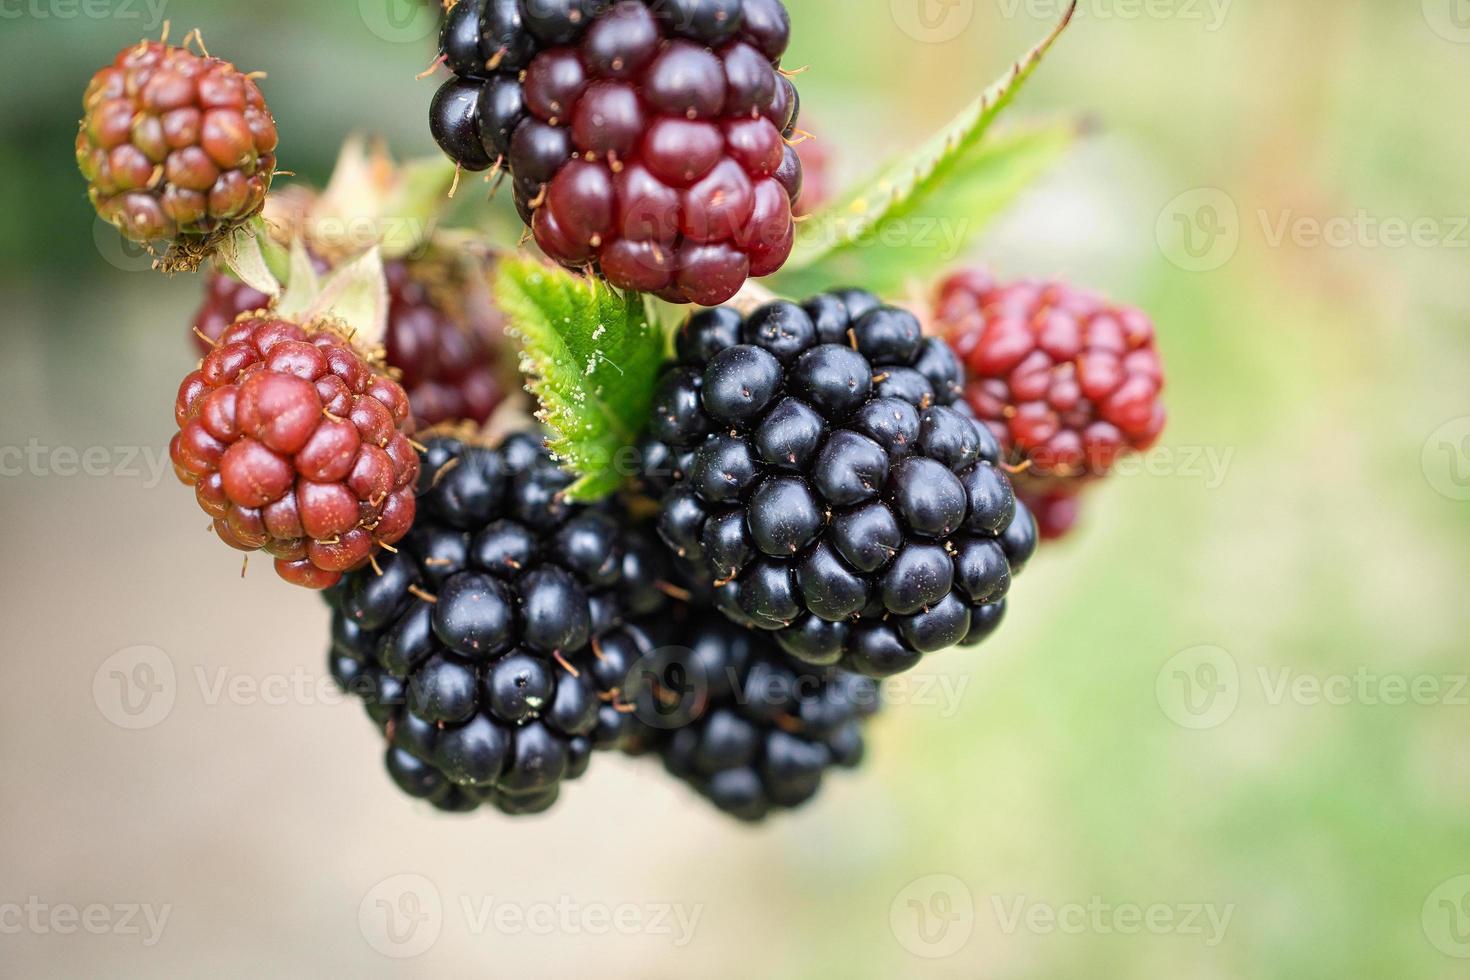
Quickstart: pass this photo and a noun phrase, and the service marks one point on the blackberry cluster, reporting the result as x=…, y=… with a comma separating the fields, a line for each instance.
x=731, y=717
x=824, y=476
x=295, y=445
x=174, y=144
x=446, y=365
x=1065, y=380
x=644, y=138
x=492, y=649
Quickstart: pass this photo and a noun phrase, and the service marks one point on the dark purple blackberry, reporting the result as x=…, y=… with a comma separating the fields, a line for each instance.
x=493, y=648
x=645, y=139
x=819, y=468
x=736, y=720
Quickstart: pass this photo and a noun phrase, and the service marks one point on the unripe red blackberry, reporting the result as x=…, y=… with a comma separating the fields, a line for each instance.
x=297, y=446
x=1055, y=507
x=816, y=176
x=645, y=139
x=444, y=355
x=175, y=144
x=1066, y=381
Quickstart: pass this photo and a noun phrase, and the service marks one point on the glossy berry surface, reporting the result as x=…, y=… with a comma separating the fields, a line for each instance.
x=444, y=355
x=733, y=718
x=173, y=143
x=297, y=446
x=493, y=649
x=645, y=139
x=1066, y=381
x=819, y=469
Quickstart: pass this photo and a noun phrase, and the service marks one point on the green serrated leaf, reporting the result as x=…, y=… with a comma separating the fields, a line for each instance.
x=872, y=218
x=591, y=357
x=989, y=177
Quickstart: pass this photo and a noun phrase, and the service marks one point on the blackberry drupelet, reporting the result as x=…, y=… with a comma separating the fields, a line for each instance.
x=733, y=718
x=297, y=445
x=1065, y=380
x=645, y=139
x=492, y=649
x=826, y=479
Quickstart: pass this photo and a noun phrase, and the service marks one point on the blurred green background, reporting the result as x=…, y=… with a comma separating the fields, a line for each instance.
x=1222, y=734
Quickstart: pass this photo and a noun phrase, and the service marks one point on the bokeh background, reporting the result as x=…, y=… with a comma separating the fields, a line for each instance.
x=1223, y=733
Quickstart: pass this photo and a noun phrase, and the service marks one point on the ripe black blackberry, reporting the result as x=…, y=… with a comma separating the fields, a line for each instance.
x=493, y=647
x=828, y=479
x=732, y=717
x=644, y=138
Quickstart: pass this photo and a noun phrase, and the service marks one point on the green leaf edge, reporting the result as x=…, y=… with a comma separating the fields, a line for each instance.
x=1020, y=154
x=902, y=186
x=544, y=347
